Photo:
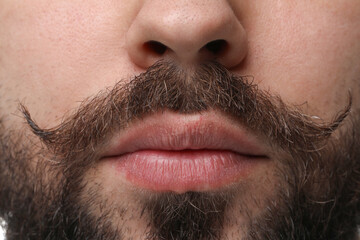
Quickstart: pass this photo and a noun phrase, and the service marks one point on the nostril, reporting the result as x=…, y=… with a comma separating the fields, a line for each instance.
x=217, y=46
x=155, y=47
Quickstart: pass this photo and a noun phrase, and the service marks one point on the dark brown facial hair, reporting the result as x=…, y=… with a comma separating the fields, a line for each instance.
x=318, y=198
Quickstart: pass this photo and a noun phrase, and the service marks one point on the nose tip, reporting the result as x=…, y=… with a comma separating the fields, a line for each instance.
x=186, y=31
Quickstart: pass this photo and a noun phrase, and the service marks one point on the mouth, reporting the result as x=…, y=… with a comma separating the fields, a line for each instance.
x=178, y=153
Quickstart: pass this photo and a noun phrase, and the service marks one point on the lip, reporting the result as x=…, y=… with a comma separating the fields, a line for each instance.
x=169, y=151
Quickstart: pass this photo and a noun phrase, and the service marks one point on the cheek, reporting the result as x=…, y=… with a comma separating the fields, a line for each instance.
x=311, y=59
x=55, y=54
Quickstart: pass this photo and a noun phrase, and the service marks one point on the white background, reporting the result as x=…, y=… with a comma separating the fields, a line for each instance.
x=2, y=237
x=2, y=232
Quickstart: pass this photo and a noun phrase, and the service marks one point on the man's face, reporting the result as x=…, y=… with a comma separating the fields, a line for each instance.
x=197, y=119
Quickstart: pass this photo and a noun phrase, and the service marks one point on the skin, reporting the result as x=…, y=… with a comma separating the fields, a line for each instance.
x=54, y=54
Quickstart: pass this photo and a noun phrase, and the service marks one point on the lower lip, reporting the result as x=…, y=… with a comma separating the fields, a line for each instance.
x=182, y=171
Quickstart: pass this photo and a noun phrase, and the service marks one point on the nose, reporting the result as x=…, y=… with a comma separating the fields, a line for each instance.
x=188, y=31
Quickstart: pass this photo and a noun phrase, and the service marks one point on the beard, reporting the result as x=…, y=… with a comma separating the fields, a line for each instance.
x=311, y=193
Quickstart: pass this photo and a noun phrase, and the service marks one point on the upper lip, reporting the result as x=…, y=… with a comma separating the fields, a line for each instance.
x=169, y=131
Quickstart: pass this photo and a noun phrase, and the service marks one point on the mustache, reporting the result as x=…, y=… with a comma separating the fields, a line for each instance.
x=167, y=86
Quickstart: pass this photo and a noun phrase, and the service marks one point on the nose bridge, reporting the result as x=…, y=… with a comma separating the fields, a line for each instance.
x=183, y=28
